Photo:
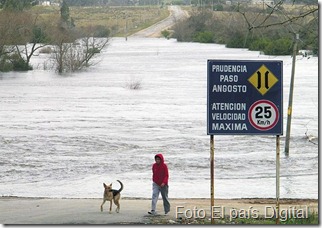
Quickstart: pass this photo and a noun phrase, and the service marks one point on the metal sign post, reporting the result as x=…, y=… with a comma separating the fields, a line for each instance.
x=212, y=176
x=244, y=97
x=277, y=179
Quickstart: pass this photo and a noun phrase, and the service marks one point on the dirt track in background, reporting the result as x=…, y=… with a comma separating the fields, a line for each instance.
x=176, y=14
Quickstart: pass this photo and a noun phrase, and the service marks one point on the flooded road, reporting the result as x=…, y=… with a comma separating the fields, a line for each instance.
x=63, y=136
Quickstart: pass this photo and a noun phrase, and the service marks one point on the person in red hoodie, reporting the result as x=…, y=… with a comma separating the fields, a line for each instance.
x=160, y=179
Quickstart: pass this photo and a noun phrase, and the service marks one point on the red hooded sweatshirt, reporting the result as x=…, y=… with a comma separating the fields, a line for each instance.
x=160, y=172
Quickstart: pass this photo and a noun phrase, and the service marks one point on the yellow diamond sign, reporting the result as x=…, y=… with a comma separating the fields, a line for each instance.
x=263, y=79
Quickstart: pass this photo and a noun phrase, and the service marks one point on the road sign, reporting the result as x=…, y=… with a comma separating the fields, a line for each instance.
x=245, y=97
x=263, y=115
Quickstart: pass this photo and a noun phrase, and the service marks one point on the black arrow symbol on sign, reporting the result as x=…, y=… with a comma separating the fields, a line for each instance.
x=259, y=80
x=266, y=79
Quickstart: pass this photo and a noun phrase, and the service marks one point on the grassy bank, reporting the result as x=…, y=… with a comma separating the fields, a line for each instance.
x=121, y=21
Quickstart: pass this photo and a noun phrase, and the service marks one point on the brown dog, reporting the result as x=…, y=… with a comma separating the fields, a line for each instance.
x=111, y=194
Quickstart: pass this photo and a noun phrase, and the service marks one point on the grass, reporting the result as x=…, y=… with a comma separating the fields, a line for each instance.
x=313, y=219
x=121, y=21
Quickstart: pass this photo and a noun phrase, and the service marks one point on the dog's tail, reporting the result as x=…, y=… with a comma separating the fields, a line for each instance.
x=121, y=186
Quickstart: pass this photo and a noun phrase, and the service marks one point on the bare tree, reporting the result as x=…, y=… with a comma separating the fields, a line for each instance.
x=21, y=37
x=296, y=19
x=277, y=15
x=6, y=32
x=34, y=37
x=74, y=48
x=72, y=55
x=92, y=46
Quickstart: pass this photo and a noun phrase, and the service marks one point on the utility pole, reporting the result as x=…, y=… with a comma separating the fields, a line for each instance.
x=290, y=99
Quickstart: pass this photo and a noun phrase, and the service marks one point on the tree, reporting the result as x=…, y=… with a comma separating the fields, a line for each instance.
x=15, y=30
x=194, y=26
x=21, y=36
x=66, y=20
x=293, y=19
x=294, y=22
x=36, y=39
x=74, y=48
x=71, y=57
x=15, y=5
x=64, y=12
x=266, y=17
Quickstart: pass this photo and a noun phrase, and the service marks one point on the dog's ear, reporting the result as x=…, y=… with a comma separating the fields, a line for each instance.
x=104, y=185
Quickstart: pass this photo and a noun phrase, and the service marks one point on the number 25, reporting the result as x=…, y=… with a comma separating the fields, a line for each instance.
x=262, y=112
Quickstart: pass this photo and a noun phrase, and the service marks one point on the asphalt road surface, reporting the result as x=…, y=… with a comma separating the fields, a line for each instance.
x=15, y=210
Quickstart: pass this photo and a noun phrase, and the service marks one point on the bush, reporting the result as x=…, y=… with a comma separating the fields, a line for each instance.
x=19, y=64
x=5, y=65
x=283, y=46
x=218, y=7
x=165, y=34
x=203, y=26
x=237, y=40
x=310, y=37
x=13, y=63
x=39, y=35
x=188, y=30
x=204, y=37
x=134, y=84
x=101, y=31
x=259, y=44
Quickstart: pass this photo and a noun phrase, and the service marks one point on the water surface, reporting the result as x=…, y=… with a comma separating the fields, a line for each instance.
x=63, y=136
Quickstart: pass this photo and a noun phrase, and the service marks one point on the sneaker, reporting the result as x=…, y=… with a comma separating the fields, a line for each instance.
x=152, y=212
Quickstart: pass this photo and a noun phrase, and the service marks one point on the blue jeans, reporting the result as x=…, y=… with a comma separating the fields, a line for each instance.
x=156, y=189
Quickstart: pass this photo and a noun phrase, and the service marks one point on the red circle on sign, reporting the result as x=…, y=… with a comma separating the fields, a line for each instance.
x=257, y=105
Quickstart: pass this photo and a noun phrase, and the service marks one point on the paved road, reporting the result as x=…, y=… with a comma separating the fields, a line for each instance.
x=176, y=14
x=71, y=211
x=133, y=211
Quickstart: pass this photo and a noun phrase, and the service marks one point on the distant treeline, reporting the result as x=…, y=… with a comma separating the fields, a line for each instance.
x=20, y=4
x=95, y=2
x=111, y=2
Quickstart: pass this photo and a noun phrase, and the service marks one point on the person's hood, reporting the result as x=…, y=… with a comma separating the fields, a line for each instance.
x=160, y=156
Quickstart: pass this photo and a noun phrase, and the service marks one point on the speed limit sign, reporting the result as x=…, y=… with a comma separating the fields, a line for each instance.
x=263, y=115
x=245, y=97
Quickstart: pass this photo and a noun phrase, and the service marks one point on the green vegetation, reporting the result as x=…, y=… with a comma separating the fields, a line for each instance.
x=204, y=37
x=165, y=34
x=243, y=26
x=69, y=31
x=313, y=219
x=118, y=21
x=16, y=5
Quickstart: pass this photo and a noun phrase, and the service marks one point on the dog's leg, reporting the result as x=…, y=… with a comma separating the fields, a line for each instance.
x=111, y=207
x=117, y=203
x=102, y=205
x=118, y=207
